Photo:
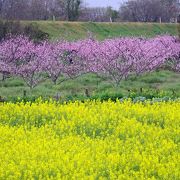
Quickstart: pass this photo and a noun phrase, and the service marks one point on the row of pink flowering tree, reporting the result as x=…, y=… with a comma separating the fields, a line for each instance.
x=116, y=59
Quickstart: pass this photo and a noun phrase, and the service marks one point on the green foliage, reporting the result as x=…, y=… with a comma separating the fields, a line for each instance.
x=152, y=93
x=113, y=14
x=104, y=96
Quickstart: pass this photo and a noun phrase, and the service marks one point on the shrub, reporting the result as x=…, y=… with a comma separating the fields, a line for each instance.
x=33, y=31
x=16, y=28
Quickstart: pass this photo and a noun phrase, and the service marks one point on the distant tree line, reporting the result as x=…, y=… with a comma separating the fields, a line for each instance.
x=150, y=10
x=40, y=9
x=73, y=10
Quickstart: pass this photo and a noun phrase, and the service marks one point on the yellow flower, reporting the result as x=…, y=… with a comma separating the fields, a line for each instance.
x=90, y=140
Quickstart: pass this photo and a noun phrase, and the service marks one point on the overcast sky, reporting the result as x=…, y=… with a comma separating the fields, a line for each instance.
x=104, y=3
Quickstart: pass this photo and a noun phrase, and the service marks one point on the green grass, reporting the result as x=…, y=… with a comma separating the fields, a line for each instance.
x=79, y=30
x=162, y=81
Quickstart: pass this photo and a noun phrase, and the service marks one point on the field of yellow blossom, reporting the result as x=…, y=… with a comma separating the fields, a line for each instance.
x=90, y=140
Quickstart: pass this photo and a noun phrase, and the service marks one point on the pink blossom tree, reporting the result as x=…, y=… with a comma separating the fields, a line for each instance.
x=116, y=59
x=30, y=68
x=12, y=51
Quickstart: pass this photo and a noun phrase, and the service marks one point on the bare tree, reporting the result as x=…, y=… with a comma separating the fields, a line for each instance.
x=29, y=9
x=11, y=9
x=98, y=14
x=149, y=10
x=1, y=6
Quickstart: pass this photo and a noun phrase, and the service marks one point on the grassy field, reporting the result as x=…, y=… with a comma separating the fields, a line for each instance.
x=165, y=83
x=79, y=30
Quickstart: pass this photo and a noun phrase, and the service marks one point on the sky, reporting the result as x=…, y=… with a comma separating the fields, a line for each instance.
x=104, y=3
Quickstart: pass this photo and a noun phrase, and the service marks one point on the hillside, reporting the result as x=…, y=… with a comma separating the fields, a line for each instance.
x=79, y=30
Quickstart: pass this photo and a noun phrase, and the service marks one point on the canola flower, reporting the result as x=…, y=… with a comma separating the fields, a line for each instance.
x=91, y=140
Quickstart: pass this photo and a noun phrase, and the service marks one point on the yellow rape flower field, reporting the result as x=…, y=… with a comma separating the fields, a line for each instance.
x=91, y=140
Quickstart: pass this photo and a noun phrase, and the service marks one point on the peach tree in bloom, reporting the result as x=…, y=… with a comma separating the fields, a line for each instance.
x=116, y=59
